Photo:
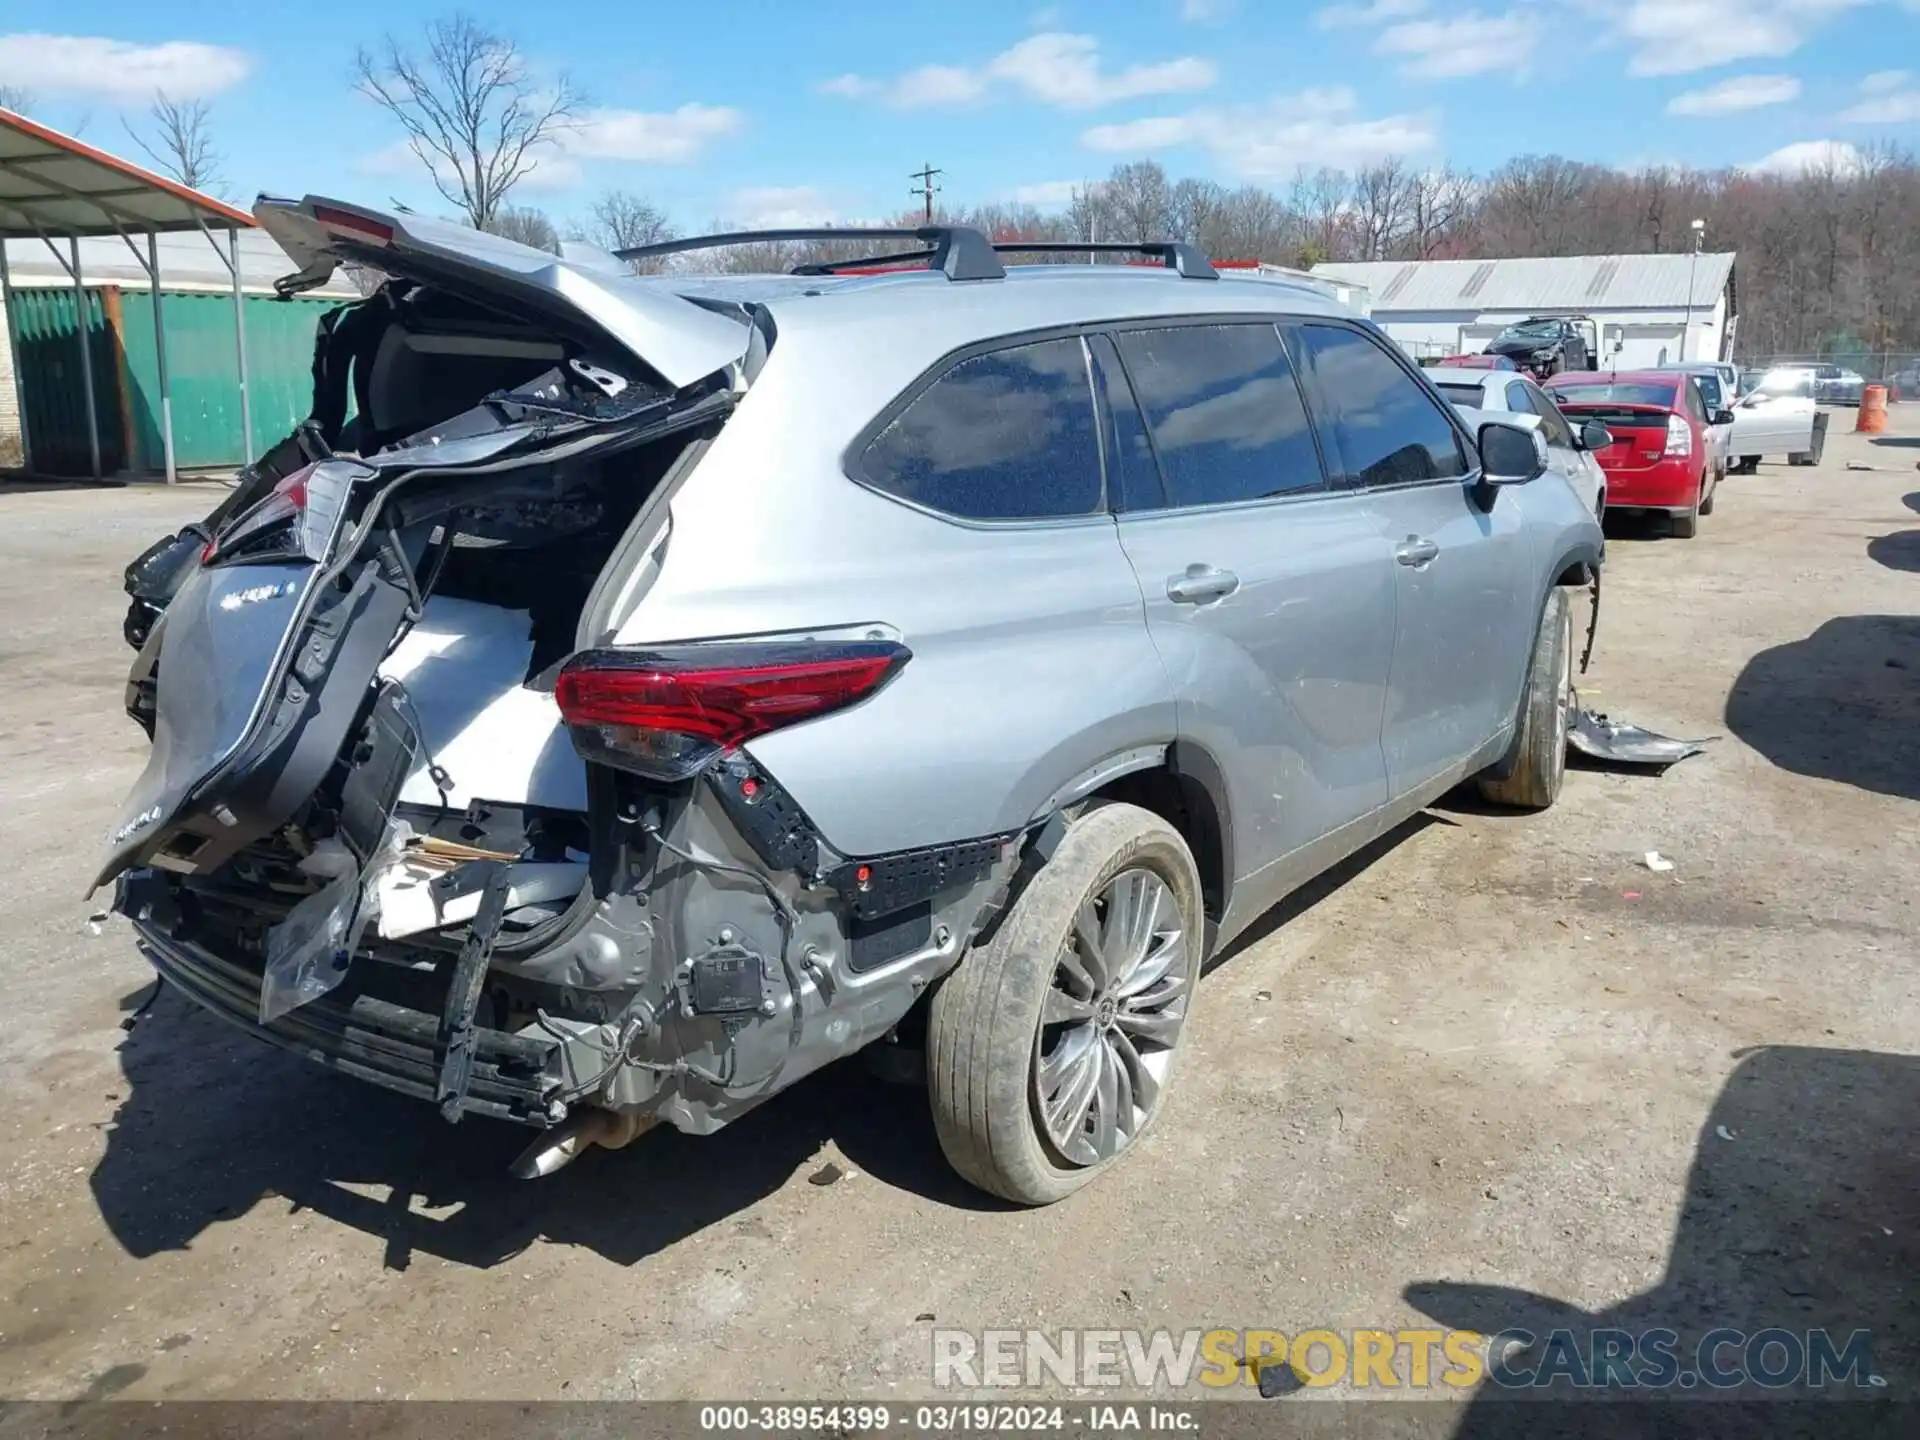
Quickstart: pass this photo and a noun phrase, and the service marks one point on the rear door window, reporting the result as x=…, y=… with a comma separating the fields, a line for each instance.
x=1518, y=401
x=1382, y=425
x=1225, y=413
x=1008, y=435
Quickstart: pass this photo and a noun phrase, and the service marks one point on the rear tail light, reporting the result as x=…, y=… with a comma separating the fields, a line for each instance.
x=667, y=712
x=1679, y=437
x=269, y=530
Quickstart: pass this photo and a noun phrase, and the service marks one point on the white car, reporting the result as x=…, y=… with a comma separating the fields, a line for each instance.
x=1569, y=448
x=1778, y=416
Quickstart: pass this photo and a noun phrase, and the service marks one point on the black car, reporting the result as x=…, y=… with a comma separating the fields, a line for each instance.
x=1544, y=344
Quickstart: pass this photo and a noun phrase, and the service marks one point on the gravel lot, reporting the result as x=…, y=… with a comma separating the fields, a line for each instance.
x=1494, y=1070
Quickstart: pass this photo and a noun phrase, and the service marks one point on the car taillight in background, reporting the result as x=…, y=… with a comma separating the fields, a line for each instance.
x=666, y=712
x=1679, y=437
x=266, y=531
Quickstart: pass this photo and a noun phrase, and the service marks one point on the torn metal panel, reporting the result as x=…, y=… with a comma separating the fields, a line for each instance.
x=1628, y=746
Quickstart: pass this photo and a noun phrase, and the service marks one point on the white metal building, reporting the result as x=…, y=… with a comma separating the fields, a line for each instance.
x=1657, y=308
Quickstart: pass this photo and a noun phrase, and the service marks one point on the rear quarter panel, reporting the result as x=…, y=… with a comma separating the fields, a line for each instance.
x=1031, y=658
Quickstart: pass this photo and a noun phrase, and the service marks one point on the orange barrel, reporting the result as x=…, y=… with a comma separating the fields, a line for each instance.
x=1873, y=410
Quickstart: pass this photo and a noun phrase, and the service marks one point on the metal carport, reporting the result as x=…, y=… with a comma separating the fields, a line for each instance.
x=55, y=188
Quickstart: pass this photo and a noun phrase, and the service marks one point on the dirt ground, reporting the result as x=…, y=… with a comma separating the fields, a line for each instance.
x=1493, y=1070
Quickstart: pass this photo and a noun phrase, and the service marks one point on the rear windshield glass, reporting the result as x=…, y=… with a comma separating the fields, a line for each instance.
x=1463, y=394
x=1621, y=392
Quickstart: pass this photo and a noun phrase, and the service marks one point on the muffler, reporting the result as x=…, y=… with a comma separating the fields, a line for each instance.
x=562, y=1145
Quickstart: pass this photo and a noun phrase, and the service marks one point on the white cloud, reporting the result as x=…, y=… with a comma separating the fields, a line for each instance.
x=853, y=87
x=779, y=207
x=553, y=173
x=1741, y=92
x=1469, y=44
x=1881, y=81
x=666, y=138
x=395, y=159
x=1046, y=194
x=1677, y=37
x=1054, y=68
x=1274, y=140
x=1798, y=159
x=94, y=67
x=935, y=85
x=1884, y=110
x=1344, y=17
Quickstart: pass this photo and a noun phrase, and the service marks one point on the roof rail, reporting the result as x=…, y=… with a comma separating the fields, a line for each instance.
x=958, y=251
x=1174, y=254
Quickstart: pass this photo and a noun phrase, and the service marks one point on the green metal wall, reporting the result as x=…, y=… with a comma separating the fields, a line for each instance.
x=53, y=401
x=204, y=373
x=202, y=367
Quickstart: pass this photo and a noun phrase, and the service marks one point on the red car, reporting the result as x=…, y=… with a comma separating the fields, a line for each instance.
x=1477, y=362
x=1661, y=456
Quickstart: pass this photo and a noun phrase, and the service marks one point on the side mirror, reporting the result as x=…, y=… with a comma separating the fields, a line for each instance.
x=1595, y=436
x=1722, y=417
x=1511, y=454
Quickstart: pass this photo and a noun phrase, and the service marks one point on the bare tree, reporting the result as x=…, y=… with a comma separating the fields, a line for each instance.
x=621, y=220
x=1320, y=199
x=182, y=143
x=472, y=113
x=1142, y=202
x=16, y=98
x=1439, y=205
x=1381, y=195
x=527, y=225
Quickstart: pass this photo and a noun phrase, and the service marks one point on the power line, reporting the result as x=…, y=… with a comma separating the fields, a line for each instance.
x=926, y=189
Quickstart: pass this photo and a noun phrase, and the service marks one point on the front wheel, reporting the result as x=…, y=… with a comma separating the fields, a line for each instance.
x=1537, y=761
x=1049, y=1049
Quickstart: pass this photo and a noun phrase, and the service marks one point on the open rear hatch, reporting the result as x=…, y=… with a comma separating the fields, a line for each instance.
x=538, y=404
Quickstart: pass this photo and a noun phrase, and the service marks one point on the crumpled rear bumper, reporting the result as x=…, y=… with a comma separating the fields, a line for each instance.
x=371, y=1038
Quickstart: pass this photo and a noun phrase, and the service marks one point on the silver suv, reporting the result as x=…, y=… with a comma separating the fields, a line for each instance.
x=625, y=695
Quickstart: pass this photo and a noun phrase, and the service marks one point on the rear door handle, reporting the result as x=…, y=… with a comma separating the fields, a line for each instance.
x=1416, y=552
x=1200, y=584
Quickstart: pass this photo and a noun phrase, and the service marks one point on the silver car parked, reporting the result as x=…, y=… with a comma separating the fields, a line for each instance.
x=1570, y=448
x=626, y=695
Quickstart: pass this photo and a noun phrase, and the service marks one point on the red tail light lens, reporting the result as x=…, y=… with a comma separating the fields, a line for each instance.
x=268, y=530
x=667, y=712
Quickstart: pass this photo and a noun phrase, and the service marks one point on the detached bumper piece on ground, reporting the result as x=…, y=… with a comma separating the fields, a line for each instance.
x=1620, y=746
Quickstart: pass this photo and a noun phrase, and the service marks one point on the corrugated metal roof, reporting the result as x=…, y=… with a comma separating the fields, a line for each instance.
x=187, y=260
x=54, y=184
x=1567, y=282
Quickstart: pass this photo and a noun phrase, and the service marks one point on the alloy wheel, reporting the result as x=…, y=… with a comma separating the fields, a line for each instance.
x=1111, y=1018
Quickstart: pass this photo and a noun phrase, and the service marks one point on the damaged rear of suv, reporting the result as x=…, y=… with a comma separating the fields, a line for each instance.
x=625, y=695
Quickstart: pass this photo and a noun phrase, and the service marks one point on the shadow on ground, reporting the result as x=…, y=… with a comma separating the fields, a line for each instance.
x=1802, y=1213
x=215, y=1122
x=1911, y=500
x=1899, y=442
x=1842, y=704
x=1897, y=551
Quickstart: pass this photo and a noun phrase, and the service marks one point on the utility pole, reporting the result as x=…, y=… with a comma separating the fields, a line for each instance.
x=1699, y=228
x=926, y=189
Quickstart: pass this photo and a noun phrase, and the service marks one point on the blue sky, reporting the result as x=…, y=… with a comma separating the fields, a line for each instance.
x=784, y=113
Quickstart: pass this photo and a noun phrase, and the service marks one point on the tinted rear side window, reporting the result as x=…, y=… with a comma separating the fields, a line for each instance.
x=1384, y=427
x=1471, y=396
x=1226, y=416
x=1008, y=435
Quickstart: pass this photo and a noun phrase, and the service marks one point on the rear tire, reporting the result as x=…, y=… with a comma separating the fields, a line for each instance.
x=1686, y=524
x=1539, y=753
x=1049, y=1049
x=1713, y=490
